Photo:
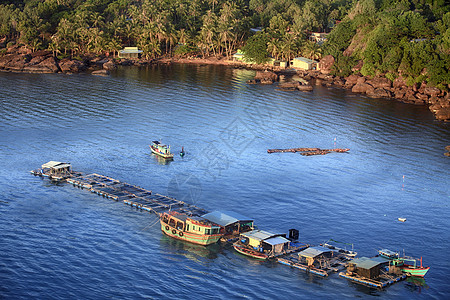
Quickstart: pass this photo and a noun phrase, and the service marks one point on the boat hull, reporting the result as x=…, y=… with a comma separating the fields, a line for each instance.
x=249, y=252
x=419, y=272
x=190, y=237
x=166, y=156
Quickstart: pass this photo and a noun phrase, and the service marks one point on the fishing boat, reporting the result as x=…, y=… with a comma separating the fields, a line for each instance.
x=410, y=265
x=242, y=249
x=161, y=149
x=388, y=254
x=261, y=244
x=192, y=229
x=329, y=244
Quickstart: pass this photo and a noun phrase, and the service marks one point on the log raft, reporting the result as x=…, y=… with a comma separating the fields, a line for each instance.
x=309, y=151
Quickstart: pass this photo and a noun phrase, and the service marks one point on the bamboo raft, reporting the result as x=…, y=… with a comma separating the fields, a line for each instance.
x=133, y=195
x=309, y=151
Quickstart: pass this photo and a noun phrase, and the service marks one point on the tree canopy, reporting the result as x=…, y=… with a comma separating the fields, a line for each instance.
x=391, y=37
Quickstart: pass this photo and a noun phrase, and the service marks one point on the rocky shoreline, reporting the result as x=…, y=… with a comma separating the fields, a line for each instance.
x=17, y=59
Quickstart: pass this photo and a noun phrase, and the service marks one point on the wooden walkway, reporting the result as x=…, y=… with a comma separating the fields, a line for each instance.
x=133, y=195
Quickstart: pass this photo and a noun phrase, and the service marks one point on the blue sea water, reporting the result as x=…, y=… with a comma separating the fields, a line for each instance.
x=60, y=242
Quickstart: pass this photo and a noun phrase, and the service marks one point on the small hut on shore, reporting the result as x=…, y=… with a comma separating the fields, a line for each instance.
x=130, y=52
x=304, y=63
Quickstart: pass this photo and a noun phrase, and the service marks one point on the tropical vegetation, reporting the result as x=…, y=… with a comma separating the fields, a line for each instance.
x=410, y=38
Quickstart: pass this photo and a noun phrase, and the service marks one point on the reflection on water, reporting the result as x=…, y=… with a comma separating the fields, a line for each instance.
x=161, y=160
x=416, y=283
x=226, y=127
x=189, y=250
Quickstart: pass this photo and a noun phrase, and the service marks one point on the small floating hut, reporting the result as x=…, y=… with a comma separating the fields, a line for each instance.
x=317, y=260
x=54, y=170
x=373, y=272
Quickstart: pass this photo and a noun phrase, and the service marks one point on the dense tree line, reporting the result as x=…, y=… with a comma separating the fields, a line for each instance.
x=391, y=37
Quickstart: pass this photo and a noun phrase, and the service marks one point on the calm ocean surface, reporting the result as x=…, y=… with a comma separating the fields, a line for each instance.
x=60, y=242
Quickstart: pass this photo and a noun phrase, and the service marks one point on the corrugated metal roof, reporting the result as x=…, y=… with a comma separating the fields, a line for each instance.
x=225, y=218
x=61, y=166
x=276, y=240
x=258, y=235
x=306, y=60
x=365, y=262
x=314, y=251
x=51, y=164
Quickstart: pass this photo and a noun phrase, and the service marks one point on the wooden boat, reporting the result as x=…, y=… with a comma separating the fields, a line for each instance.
x=350, y=253
x=388, y=254
x=161, y=150
x=190, y=229
x=410, y=265
x=249, y=251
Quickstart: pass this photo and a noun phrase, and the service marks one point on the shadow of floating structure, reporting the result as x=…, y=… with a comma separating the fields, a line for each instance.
x=133, y=195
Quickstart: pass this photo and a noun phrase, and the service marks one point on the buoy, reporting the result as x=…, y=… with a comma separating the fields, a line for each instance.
x=402, y=219
x=182, y=152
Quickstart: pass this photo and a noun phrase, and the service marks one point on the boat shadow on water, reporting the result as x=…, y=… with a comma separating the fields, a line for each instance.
x=189, y=250
x=161, y=160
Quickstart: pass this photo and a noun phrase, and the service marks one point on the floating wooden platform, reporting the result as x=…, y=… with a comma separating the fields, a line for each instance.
x=329, y=265
x=133, y=195
x=383, y=280
x=308, y=151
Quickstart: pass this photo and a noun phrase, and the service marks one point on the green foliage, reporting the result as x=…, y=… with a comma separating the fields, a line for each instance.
x=390, y=36
x=256, y=49
x=184, y=50
x=343, y=65
x=340, y=38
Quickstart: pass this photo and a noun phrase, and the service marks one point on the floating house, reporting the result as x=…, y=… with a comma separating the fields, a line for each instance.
x=316, y=260
x=130, y=52
x=304, y=63
x=232, y=223
x=55, y=170
x=373, y=272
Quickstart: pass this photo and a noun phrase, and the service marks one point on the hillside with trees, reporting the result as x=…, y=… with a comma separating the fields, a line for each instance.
x=391, y=38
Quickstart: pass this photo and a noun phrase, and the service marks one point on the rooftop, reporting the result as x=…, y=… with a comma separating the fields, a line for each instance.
x=314, y=251
x=306, y=60
x=225, y=218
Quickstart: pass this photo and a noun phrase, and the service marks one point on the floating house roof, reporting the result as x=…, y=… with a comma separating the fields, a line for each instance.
x=225, y=218
x=55, y=165
x=314, y=251
x=366, y=263
x=258, y=235
x=276, y=240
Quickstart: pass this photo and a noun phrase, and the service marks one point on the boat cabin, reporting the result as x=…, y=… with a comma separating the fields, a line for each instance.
x=230, y=222
x=314, y=256
x=185, y=223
